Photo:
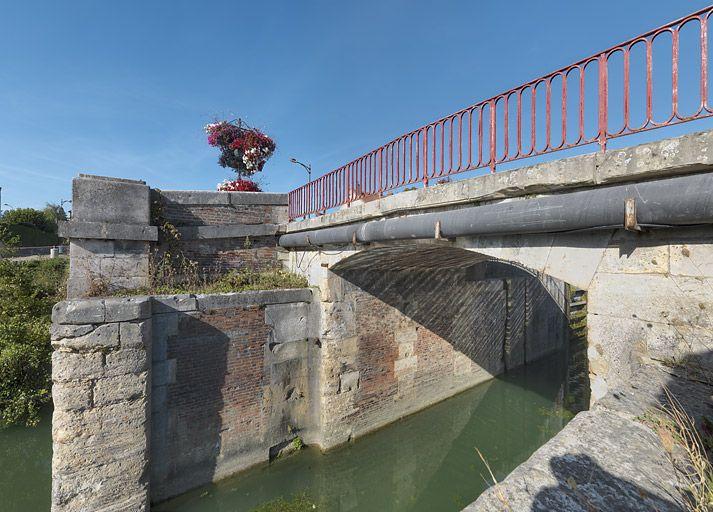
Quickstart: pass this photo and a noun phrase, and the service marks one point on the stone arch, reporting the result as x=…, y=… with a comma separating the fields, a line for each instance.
x=406, y=325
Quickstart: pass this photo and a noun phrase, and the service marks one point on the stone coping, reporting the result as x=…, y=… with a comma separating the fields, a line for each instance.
x=668, y=157
x=226, y=231
x=110, y=178
x=107, y=231
x=122, y=309
x=205, y=197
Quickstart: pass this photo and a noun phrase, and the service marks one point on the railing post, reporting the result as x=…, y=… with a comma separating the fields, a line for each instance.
x=348, y=184
x=603, y=101
x=424, y=160
x=492, y=135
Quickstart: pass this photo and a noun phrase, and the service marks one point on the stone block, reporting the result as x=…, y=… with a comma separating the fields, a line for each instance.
x=630, y=253
x=120, y=388
x=60, y=331
x=680, y=155
x=124, y=266
x=226, y=231
x=289, y=322
x=103, y=337
x=406, y=349
x=258, y=298
x=694, y=258
x=135, y=334
x=348, y=382
x=173, y=303
x=406, y=365
x=531, y=251
x=616, y=346
x=126, y=361
x=462, y=365
x=126, y=309
x=98, y=199
x=250, y=198
x=675, y=300
x=91, y=249
x=68, y=396
x=574, y=258
x=79, y=312
x=159, y=399
x=71, y=366
x=195, y=197
x=407, y=334
x=107, y=231
x=162, y=326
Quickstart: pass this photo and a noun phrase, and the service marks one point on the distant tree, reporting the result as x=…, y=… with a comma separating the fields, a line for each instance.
x=27, y=217
x=54, y=213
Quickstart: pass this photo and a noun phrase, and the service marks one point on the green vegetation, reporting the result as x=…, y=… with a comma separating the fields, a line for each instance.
x=298, y=503
x=297, y=444
x=28, y=290
x=30, y=236
x=234, y=281
x=31, y=227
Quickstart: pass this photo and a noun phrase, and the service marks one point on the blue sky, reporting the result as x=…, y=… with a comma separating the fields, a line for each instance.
x=124, y=88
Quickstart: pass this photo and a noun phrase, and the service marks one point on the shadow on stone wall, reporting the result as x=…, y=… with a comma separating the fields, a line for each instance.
x=620, y=494
x=189, y=380
x=496, y=314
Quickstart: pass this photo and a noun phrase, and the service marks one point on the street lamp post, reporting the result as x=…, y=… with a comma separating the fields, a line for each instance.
x=307, y=168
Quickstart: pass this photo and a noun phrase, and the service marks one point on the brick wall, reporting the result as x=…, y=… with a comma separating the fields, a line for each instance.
x=230, y=384
x=182, y=214
x=226, y=230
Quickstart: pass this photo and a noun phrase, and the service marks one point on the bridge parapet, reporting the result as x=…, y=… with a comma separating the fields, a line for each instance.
x=677, y=156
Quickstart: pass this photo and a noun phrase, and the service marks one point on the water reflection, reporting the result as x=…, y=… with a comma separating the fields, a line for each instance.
x=424, y=462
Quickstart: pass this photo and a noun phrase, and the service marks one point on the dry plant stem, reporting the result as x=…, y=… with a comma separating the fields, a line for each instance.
x=498, y=492
x=697, y=475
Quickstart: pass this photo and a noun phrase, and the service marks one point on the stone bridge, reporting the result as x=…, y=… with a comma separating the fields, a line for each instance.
x=632, y=227
x=413, y=297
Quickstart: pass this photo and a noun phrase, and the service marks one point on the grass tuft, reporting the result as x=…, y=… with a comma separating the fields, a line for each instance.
x=676, y=429
x=233, y=281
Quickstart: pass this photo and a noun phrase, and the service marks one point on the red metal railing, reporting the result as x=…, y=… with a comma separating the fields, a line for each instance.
x=510, y=126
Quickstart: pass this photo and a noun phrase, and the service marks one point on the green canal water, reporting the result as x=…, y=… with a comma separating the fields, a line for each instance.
x=425, y=462
x=26, y=467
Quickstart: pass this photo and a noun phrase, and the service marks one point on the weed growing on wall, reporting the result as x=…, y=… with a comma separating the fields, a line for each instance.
x=168, y=265
x=233, y=281
x=28, y=290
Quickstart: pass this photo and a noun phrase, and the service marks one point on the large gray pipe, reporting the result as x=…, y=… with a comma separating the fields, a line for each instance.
x=678, y=201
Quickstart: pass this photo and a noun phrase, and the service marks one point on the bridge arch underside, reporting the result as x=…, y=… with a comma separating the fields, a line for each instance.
x=408, y=325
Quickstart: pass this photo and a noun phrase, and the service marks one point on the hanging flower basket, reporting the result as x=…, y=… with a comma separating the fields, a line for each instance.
x=242, y=148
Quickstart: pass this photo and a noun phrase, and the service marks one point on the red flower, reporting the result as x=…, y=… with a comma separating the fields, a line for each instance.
x=239, y=185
